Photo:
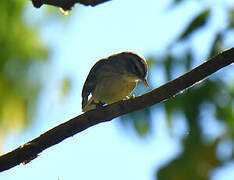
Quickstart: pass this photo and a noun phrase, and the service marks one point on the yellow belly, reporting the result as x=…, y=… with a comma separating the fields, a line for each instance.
x=111, y=90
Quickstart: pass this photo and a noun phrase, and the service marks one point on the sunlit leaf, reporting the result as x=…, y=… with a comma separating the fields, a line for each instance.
x=65, y=87
x=13, y=114
x=21, y=49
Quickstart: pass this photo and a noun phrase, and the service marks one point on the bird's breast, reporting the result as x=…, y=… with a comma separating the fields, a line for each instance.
x=114, y=88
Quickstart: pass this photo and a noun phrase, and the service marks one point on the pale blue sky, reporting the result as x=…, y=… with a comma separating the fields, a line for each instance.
x=105, y=151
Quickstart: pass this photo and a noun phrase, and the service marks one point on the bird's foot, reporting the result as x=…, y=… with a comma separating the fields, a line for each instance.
x=132, y=96
x=100, y=105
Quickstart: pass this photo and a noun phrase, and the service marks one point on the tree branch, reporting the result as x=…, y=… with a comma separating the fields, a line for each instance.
x=66, y=4
x=30, y=150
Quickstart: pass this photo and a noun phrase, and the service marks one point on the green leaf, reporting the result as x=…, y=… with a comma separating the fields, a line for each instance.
x=217, y=45
x=65, y=87
x=231, y=18
x=142, y=122
x=196, y=23
x=168, y=63
x=188, y=60
x=177, y=1
x=139, y=120
x=22, y=51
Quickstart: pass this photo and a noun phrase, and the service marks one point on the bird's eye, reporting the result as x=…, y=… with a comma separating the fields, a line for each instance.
x=135, y=70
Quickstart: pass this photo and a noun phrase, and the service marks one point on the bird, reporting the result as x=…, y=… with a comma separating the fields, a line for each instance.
x=113, y=78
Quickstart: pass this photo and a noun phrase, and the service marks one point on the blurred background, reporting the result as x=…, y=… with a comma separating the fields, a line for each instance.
x=46, y=56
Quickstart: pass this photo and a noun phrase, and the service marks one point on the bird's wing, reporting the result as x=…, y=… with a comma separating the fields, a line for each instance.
x=91, y=81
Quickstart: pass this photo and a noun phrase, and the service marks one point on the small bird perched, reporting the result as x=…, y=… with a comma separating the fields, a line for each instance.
x=113, y=78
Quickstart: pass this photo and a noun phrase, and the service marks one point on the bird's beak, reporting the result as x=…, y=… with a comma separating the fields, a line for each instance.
x=145, y=82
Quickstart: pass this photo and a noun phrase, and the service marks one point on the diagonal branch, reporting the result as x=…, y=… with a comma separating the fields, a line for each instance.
x=30, y=150
x=66, y=4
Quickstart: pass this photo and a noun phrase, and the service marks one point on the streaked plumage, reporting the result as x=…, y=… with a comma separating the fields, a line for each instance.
x=113, y=78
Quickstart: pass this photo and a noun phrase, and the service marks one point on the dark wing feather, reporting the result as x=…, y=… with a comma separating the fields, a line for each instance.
x=91, y=81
